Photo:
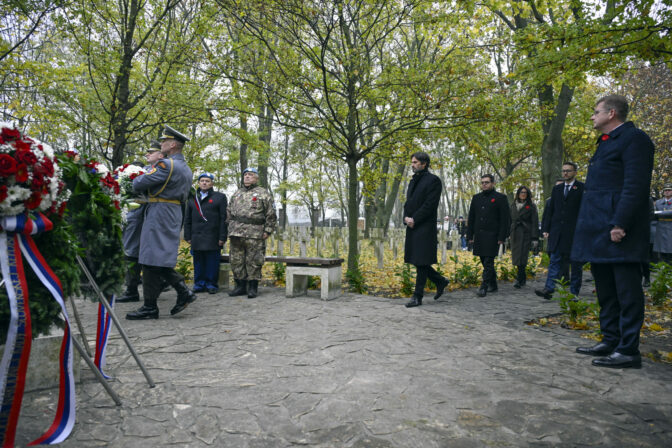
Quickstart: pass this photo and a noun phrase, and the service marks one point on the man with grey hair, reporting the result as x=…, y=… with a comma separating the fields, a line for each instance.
x=612, y=232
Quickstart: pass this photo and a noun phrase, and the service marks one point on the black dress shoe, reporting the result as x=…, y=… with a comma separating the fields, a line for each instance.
x=516, y=284
x=600, y=349
x=482, y=292
x=128, y=297
x=545, y=293
x=144, y=312
x=415, y=301
x=440, y=288
x=493, y=288
x=183, y=300
x=619, y=361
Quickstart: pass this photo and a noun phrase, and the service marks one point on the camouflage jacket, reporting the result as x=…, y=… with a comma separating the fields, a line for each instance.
x=251, y=213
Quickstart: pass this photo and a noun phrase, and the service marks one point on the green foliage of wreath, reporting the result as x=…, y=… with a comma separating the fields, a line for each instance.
x=96, y=222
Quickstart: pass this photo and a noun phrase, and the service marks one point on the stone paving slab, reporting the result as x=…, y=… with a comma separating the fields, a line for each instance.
x=359, y=371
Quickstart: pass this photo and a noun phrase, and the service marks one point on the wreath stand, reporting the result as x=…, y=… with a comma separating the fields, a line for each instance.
x=86, y=353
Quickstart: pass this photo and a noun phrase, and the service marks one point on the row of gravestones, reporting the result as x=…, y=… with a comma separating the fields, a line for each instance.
x=333, y=242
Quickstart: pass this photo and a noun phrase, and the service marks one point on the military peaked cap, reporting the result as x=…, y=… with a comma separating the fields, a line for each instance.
x=169, y=132
x=667, y=187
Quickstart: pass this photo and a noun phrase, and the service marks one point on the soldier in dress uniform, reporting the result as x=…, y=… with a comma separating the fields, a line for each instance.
x=166, y=187
x=662, y=242
x=131, y=233
x=251, y=218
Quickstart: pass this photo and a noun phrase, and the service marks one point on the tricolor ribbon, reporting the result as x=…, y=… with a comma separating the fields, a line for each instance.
x=200, y=210
x=16, y=233
x=102, y=335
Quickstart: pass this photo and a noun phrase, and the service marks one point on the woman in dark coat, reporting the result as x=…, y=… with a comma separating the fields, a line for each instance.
x=205, y=229
x=524, y=230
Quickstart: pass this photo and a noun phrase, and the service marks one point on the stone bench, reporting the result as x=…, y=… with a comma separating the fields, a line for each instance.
x=297, y=271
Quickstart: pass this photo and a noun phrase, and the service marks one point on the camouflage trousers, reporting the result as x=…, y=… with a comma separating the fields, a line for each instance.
x=246, y=256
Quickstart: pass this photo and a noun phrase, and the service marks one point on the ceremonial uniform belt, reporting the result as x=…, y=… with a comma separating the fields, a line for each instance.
x=245, y=220
x=170, y=201
x=665, y=219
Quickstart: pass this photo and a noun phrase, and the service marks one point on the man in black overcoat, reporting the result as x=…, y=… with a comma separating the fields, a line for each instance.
x=205, y=228
x=488, y=226
x=420, y=215
x=558, y=228
x=612, y=232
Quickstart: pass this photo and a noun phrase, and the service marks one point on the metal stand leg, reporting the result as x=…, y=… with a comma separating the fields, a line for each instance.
x=99, y=376
x=105, y=303
x=81, y=328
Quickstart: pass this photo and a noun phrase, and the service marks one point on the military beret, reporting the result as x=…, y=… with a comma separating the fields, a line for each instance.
x=206, y=174
x=667, y=187
x=169, y=132
x=252, y=170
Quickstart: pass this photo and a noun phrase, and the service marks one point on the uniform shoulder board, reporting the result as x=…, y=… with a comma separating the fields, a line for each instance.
x=162, y=165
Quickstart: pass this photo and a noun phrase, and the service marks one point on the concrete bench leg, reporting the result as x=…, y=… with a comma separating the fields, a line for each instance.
x=296, y=280
x=224, y=270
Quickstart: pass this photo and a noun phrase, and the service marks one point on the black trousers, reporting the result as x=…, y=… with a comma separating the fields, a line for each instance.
x=153, y=278
x=133, y=274
x=621, y=298
x=489, y=274
x=422, y=273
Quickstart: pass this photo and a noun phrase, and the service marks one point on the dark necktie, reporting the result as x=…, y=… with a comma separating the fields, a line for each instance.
x=566, y=190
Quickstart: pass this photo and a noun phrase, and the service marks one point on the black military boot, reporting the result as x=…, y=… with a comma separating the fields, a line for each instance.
x=144, y=312
x=132, y=281
x=184, y=297
x=130, y=295
x=240, y=289
x=252, y=288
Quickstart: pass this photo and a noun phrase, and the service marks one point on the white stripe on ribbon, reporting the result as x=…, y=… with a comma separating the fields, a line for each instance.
x=13, y=322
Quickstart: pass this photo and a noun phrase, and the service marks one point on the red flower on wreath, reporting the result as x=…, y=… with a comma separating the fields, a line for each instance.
x=254, y=199
x=21, y=173
x=3, y=192
x=26, y=156
x=7, y=164
x=21, y=145
x=34, y=201
x=492, y=200
x=10, y=134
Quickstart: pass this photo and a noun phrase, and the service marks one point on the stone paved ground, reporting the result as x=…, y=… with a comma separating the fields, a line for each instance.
x=360, y=371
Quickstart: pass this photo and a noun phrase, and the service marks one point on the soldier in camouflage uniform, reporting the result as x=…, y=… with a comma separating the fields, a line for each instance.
x=167, y=187
x=251, y=218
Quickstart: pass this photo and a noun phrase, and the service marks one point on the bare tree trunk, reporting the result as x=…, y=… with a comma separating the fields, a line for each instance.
x=552, y=148
x=242, y=149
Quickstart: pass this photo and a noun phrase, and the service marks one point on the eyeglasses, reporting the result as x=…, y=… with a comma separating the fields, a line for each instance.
x=567, y=171
x=484, y=182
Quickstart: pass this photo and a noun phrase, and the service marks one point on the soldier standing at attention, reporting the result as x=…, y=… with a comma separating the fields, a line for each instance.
x=167, y=187
x=251, y=218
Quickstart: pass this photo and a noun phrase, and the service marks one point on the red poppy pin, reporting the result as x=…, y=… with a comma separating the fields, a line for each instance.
x=604, y=137
x=254, y=198
x=492, y=200
x=527, y=206
x=210, y=201
x=574, y=187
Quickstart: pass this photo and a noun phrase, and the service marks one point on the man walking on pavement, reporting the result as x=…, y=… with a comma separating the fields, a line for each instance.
x=612, y=231
x=420, y=214
x=488, y=226
x=167, y=188
x=251, y=218
x=558, y=228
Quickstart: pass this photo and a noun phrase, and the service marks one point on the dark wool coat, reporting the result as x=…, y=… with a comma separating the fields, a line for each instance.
x=561, y=215
x=524, y=229
x=488, y=223
x=616, y=194
x=205, y=235
x=422, y=202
